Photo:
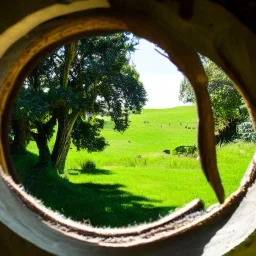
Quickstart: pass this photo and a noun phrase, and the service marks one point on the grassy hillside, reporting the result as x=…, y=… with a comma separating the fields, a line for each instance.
x=134, y=180
x=148, y=135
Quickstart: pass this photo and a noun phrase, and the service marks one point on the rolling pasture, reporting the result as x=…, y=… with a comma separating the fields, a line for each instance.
x=134, y=181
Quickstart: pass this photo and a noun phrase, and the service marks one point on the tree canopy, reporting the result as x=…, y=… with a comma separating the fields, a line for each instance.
x=227, y=104
x=75, y=87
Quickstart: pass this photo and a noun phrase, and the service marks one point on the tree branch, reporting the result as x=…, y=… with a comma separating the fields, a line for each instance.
x=70, y=54
x=164, y=55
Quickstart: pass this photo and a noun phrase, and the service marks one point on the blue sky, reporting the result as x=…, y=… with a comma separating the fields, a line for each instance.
x=159, y=76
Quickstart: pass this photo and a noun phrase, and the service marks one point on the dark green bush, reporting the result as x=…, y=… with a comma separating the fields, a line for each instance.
x=185, y=151
x=167, y=151
x=88, y=166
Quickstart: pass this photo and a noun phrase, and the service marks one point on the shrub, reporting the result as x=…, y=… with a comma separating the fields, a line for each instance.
x=88, y=166
x=246, y=132
x=185, y=150
x=227, y=134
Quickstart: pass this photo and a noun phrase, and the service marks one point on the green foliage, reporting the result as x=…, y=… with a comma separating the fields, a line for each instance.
x=227, y=134
x=11, y=134
x=87, y=166
x=227, y=103
x=90, y=77
x=185, y=151
x=31, y=105
x=186, y=93
x=246, y=131
x=86, y=135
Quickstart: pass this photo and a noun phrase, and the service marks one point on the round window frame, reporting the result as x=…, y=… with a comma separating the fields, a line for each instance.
x=25, y=54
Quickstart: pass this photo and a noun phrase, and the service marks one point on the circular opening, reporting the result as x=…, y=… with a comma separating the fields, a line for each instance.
x=31, y=52
x=64, y=135
x=31, y=55
x=74, y=103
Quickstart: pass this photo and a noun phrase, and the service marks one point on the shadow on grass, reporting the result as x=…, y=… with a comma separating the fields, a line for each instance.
x=92, y=172
x=98, y=204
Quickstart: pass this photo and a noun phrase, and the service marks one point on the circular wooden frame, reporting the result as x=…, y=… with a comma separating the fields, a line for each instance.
x=70, y=238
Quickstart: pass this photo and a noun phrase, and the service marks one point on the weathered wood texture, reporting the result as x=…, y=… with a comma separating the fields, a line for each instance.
x=13, y=245
x=204, y=27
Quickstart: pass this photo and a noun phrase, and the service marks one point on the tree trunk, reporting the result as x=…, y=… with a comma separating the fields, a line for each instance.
x=66, y=121
x=44, y=159
x=63, y=139
x=21, y=136
x=41, y=137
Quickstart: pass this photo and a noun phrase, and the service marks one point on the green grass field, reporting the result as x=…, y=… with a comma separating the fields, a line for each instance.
x=135, y=181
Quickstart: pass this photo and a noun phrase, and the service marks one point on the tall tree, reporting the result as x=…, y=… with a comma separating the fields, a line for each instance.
x=82, y=81
x=227, y=104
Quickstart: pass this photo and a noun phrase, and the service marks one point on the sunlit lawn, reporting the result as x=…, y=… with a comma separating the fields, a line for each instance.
x=135, y=181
